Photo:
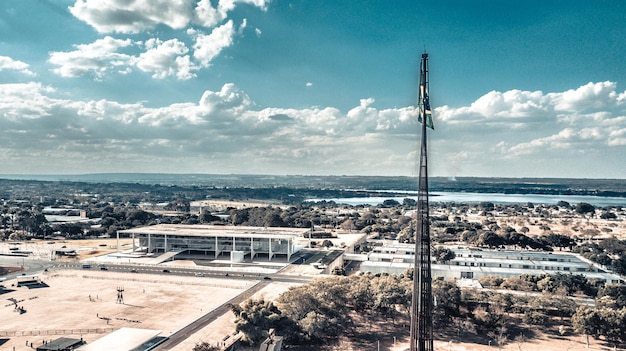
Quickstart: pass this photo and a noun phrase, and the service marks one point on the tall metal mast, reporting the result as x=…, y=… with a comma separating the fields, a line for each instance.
x=422, y=300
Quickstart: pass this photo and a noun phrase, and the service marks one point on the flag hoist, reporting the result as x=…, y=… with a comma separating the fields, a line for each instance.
x=422, y=299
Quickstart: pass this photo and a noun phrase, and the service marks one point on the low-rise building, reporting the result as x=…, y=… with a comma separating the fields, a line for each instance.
x=474, y=263
x=217, y=241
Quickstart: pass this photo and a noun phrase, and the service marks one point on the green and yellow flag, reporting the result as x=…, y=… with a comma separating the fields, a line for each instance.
x=424, y=106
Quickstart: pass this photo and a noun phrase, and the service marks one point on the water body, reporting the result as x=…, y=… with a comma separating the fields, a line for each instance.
x=598, y=201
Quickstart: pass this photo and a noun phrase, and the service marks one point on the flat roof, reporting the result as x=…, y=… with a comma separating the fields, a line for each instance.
x=59, y=344
x=200, y=230
x=437, y=268
x=123, y=339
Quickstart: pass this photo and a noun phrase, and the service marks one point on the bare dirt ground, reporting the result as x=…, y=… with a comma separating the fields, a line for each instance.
x=79, y=303
x=586, y=228
x=582, y=228
x=388, y=336
x=84, y=304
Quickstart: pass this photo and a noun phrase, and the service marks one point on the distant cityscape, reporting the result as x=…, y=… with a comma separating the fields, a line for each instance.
x=250, y=241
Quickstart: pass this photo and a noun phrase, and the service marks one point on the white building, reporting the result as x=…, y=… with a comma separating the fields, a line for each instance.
x=217, y=241
x=475, y=263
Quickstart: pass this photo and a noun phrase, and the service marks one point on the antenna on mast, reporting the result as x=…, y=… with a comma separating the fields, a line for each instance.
x=422, y=299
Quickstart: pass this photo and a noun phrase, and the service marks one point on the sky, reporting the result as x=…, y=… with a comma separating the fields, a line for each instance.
x=295, y=87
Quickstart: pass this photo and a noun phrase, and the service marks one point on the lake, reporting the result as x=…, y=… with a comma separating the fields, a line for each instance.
x=598, y=201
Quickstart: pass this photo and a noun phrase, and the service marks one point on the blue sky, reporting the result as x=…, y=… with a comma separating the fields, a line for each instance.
x=518, y=88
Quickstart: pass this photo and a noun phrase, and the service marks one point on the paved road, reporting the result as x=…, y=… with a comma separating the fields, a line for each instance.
x=30, y=266
x=208, y=318
x=35, y=266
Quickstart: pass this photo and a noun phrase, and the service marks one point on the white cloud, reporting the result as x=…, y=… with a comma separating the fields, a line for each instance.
x=23, y=101
x=617, y=137
x=223, y=125
x=120, y=16
x=207, y=47
x=96, y=58
x=165, y=59
x=162, y=58
x=226, y=125
x=587, y=97
x=206, y=15
x=7, y=63
x=521, y=132
x=108, y=16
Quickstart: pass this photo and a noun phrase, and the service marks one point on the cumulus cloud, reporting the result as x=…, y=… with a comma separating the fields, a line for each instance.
x=7, y=63
x=161, y=58
x=591, y=96
x=222, y=125
x=521, y=128
x=130, y=17
x=96, y=58
x=165, y=59
x=226, y=125
x=207, y=47
x=108, y=16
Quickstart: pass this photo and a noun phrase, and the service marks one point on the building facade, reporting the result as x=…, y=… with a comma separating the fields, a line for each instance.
x=474, y=263
x=216, y=241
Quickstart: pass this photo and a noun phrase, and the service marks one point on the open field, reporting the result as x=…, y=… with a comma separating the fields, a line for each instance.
x=570, y=226
x=84, y=304
x=43, y=249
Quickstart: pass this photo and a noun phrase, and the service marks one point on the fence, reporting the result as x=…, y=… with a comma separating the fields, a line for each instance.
x=191, y=281
x=13, y=333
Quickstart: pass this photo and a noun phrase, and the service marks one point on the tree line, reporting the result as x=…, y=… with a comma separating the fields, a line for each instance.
x=321, y=312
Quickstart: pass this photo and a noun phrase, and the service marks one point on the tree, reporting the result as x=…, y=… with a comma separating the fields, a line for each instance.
x=487, y=206
x=535, y=318
x=389, y=292
x=584, y=208
x=322, y=303
x=553, y=304
x=586, y=321
x=489, y=318
x=407, y=234
x=179, y=205
x=442, y=254
x=448, y=297
x=490, y=281
x=612, y=324
x=619, y=264
x=318, y=326
x=499, y=336
x=611, y=296
x=560, y=240
x=207, y=217
x=564, y=204
x=491, y=239
x=360, y=293
x=390, y=203
x=409, y=203
x=205, y=346
x=608, y=215
x=254, y=318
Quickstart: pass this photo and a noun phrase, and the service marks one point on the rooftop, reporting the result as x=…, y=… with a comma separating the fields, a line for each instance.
x=200, y=230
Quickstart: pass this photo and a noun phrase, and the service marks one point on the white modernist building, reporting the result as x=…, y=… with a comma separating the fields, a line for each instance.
x=216, y=241
x=474, y=263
